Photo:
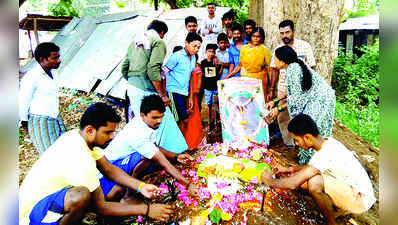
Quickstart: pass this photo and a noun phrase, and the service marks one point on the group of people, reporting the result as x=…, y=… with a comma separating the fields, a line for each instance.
x=90, y=169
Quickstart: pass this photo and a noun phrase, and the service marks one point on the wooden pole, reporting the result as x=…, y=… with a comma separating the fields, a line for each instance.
x=30, y=43
x=156, y=5
x=35, y=31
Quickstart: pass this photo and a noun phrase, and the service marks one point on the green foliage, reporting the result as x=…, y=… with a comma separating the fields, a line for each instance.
x=362, y=8
x=241, y=7
x=356, y=80
x=215, y=215
x=363, y=121
x=63, y=8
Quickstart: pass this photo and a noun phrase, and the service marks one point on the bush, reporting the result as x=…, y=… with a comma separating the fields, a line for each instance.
x=356, y=80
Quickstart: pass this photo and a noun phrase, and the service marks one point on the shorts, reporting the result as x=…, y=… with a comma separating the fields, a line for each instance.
x=126, y=164
x=50, y=209
x=208, y=96
x=178, y=106
x=343, y=195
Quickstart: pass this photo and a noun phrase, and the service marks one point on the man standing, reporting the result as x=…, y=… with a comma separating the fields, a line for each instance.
x=38, y=98
x=142, y=69
x=178, y=73
x=62, y=185
x=191, y=24
x=229, y=20
x=248, y=25
x=134, y=149
x=234, y=50
x=209, y=29
x=304, y=52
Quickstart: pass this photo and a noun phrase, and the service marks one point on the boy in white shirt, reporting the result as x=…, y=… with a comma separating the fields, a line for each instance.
x=334, y=177
x=38, y=98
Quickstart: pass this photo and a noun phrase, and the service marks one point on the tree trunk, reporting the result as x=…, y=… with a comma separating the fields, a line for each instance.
x=172, y=3
x=256, y=12
x=316, y=22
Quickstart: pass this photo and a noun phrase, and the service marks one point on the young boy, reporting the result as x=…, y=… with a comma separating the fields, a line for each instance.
x=333, y=176
x=222, y=54
x=211, y=74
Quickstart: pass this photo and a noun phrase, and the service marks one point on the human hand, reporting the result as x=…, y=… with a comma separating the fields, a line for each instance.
x=278, y=168
x=274, y=113
x=266, y=177
x=166, y=100
x=150, y=191
x=190, y=105
x=269, y=96
x=269, y=105
x=160, y=212
x=184, y=159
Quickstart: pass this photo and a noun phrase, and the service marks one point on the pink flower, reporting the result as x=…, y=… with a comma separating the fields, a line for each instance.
x=139, y=219
x=164, y=188
x=221, y=185
x=250, y=187
x=195, y=203
x=259, y=197
x=204, y=193
x=163, y=172
x=183, y=172
x=192, y=173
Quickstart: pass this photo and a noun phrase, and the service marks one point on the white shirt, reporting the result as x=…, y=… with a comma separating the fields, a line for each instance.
x=136, y=136
x=215, y=24
x=38, y=94
x=336, y=159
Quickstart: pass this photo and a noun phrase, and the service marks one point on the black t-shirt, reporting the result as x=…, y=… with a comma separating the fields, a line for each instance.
x=211, y=74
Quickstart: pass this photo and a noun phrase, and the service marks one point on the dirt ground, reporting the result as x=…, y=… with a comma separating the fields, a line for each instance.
x=74, y=103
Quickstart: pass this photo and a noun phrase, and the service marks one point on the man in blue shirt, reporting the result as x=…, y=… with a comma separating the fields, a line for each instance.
x=178, y=73
x=234, y=50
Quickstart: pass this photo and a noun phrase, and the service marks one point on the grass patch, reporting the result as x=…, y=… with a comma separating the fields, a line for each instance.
x=363, y=121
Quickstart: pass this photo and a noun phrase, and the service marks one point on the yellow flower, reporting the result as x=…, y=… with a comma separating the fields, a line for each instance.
x=226, y=216
x=205, y=213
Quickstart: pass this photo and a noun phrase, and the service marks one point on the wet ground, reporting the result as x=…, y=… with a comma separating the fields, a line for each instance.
x=281, y=207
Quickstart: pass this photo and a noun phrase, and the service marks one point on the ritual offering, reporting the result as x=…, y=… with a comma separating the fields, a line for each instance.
x=229, y=182
x=242, y=110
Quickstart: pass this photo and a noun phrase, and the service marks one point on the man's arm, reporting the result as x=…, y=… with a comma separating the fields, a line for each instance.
x=126, y=64
x=26, y=92
x=125, y=67
x=182, y=158
x=158, y=53
x=154, y=211
x=274, y=76
x=292, y=182
x=160, y=158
